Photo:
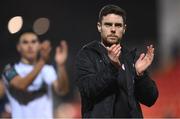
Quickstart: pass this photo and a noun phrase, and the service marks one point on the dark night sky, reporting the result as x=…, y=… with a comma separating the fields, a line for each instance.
x=74, y=21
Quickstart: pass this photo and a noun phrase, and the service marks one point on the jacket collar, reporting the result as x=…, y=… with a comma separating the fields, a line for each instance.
x=99, y=48
x=96, y=46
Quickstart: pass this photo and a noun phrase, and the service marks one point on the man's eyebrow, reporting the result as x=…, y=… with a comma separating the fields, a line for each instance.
x=108, y=23
x=118, y=24
x=24, y=41
x=35, y=39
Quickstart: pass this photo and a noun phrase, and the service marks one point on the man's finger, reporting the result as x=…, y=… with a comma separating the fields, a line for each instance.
x=152, y=50
x=141, y=56
x=149, y=51
x=118, y=54
x=117, y=50
x=64, y=46
x=112, y=47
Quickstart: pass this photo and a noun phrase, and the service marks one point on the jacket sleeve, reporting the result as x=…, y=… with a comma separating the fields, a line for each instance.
x=91, y=83
x=146, y=90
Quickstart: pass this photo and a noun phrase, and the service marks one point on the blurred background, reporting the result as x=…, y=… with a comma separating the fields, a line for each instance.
x=154, y=22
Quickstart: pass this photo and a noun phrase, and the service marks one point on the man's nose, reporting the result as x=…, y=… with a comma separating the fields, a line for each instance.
x=31, y=46
x=113, y=29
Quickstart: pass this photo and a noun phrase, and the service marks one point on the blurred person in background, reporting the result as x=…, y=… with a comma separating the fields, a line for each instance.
x=4, y=104
x=30, y=82
x=70, y=109
x=111, y=79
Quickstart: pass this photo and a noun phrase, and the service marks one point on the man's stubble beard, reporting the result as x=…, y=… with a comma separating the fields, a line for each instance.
x=109, y=44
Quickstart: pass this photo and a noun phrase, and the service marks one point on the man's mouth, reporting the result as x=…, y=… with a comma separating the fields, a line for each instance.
x=30, y=52
x=112, y=36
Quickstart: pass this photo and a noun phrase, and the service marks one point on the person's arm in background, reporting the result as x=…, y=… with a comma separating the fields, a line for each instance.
x=4, y=112
x=145, y=88
x=2, y=90
x=61, y=86
x=4, y=104
x=22, y=83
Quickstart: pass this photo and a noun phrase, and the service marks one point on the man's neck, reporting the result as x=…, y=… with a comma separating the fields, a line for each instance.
x=26, y=61
x=106, y=45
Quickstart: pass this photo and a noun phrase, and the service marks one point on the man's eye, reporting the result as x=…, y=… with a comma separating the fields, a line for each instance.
x=118, y=25
x=34, y=41
x=108, y=25
x=24, y=42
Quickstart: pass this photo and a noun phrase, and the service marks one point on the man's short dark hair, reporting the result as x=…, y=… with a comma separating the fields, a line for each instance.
x=26, y=32
x=112, y=9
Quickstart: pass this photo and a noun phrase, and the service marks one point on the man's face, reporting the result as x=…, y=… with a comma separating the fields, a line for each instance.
x=28, y=46
x=111, y=29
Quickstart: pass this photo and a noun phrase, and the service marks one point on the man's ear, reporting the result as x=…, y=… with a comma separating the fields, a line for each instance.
x=18, y=47
x=125, y=27
x=99, y=26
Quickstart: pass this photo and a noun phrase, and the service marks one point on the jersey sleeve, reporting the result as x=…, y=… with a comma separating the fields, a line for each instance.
x=49, y=74
x=9, y=73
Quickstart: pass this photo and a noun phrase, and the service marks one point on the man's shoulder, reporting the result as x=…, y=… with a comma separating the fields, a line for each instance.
x=9, y=72
x=89, y=50
x=48, y=66
x=92, y=44
x=92, y=47
x=8, y=66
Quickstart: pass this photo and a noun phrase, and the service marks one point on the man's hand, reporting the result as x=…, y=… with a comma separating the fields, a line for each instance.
x=113, y=53
x=61, y=85
x=144, y=60
x=45, y=50
x=61, y=53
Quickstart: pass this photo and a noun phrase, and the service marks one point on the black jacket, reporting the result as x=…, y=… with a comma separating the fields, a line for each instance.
x=110, y=92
